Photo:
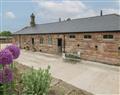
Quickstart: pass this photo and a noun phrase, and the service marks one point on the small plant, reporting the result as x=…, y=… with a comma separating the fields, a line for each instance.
x=36, y=82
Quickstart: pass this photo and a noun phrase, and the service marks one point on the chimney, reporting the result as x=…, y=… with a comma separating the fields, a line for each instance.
x=101, y=13
x=59, y=19
x=32, y=22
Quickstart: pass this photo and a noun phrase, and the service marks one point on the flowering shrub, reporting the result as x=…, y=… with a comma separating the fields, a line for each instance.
x=6, y=61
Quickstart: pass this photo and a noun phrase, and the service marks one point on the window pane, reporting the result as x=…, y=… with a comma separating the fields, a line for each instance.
x=87, y=36
x=72, y=36
x=104, y=36
x=41, y=40
x=108, y=36
x=49, y=40
x=111, y=36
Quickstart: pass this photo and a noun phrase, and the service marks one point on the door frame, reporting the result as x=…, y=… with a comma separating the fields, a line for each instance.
x=59, y=44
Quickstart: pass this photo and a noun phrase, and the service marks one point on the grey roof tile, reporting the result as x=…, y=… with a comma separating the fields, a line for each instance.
x=109, y=22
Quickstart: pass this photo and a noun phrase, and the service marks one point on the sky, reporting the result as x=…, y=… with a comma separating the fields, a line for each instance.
x=15, y=14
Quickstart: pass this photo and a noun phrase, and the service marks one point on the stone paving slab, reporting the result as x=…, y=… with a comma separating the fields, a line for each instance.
x=97, y=78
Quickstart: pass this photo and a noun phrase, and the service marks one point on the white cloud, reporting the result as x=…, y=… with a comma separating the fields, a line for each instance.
x=64, y=9
x=111, y=11
x=51, y=10
x=10, y=15
x=68, y=6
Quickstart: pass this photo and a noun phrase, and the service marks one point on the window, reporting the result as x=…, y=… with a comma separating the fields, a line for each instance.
x=71, y=36
x=59, y=42
x=41, y=40
x=87, y=36
x=108, y=36
x=49, y=40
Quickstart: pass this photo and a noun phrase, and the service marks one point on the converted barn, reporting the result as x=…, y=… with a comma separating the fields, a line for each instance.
x=96, y=38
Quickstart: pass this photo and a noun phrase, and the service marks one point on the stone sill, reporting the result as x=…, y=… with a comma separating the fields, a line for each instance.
x=107, y=40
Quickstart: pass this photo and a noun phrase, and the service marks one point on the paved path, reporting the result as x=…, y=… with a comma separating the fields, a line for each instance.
x=97, y=78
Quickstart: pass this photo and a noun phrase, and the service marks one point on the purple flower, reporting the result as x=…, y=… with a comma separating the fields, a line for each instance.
x=5, y=57
x=14, y=50
x=6, y=75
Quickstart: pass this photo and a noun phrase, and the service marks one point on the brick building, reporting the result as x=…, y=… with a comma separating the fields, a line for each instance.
x=5, y=39
x=96, y=38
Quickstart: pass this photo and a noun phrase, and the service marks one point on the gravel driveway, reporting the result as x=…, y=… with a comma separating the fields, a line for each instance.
x=100, y=79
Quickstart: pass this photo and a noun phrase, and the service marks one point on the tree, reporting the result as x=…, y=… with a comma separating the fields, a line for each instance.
x=5, y=33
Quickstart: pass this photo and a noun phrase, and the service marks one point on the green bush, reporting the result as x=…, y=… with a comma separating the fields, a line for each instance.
x=36, y=82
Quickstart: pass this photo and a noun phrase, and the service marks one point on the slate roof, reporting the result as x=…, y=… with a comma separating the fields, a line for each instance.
x=109, y=22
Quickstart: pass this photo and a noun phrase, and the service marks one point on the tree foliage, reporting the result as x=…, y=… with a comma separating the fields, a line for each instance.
x=5, y=33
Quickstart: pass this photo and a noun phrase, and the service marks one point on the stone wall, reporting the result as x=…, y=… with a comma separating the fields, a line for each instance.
x=95, y=49
x=5, y=40
x=25, y=41
x=107, y=49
